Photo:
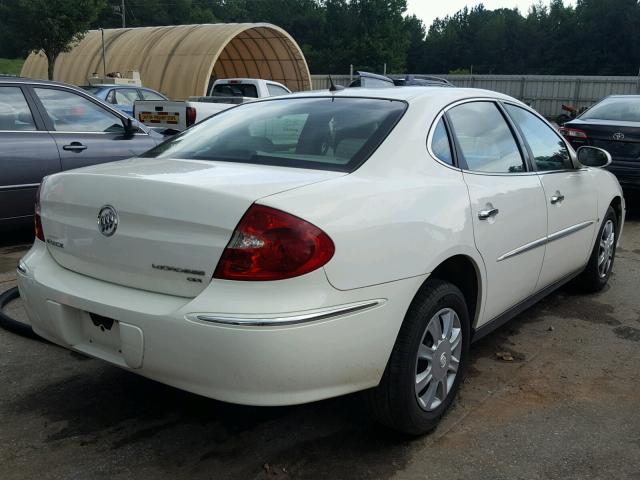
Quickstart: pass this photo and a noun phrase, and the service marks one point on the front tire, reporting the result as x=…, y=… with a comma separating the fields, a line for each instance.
x=427, y=363
x=597, y=272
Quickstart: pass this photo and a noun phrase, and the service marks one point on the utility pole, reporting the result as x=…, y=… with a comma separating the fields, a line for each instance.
x=124, y=21
x=104, y=56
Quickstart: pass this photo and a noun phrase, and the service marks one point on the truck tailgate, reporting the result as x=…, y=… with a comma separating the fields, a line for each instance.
x=161, y=114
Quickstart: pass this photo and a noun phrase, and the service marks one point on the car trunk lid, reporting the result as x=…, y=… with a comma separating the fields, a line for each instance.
x=620, y=139
x=174, y=217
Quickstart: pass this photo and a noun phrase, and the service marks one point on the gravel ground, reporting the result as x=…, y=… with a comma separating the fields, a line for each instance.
x=566, y=406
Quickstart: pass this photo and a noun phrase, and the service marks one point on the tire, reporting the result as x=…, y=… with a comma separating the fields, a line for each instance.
x=595, y=276
x=9, y=323
x=394, y=402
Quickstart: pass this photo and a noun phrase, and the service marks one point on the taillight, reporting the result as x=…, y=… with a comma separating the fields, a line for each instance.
x=191, y=116
x=269, y=244
x=572, y=133
x=37, y=219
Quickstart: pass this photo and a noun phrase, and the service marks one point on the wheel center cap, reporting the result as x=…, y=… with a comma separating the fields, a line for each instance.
x=443, y=360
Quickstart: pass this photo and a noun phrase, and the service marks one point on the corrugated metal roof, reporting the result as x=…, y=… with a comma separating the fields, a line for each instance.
x=179, y=60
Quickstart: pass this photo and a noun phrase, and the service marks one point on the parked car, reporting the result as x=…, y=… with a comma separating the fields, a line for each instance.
x=123, y=97
x=173, y=117
x=309, y=246
x=374, y=80
x=612, y=124
x=48, y=127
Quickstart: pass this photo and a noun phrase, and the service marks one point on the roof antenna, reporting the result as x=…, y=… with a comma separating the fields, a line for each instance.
x=333, y=87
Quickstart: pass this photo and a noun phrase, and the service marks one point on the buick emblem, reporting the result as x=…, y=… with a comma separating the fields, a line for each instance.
x=107, y=220
x=443, y=360
x=618, y=136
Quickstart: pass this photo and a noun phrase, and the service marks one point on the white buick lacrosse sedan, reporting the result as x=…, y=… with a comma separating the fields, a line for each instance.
x=304, y=247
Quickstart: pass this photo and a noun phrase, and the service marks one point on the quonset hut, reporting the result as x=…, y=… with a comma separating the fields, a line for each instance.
x=181, y=61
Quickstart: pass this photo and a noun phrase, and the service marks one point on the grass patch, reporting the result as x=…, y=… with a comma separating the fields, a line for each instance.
x=11, y=66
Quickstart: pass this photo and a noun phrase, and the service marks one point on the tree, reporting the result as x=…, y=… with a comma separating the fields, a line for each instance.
x=52, y=26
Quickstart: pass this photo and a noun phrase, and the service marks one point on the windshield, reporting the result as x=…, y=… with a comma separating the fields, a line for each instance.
x=325, y=133
x=235, y=90
x=625, y=109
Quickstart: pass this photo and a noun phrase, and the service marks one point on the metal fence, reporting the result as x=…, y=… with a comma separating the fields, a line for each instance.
x=545, y=93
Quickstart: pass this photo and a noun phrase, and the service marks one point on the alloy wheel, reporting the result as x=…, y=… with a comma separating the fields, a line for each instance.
x=606, y=248
x=438, y=359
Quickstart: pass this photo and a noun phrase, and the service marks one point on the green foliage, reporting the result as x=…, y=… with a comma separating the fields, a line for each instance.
x=594, y=37
x=52, y=26
x=11, y=66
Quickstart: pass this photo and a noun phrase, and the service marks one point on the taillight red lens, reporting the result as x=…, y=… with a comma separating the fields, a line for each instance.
x=37, y=219
x=269, y=244
x=571, y=133
x=191, y=116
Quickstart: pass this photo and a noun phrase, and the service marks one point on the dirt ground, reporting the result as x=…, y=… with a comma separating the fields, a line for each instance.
x=567, y=407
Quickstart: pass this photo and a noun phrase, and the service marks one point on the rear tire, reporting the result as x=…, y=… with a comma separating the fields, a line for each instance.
x=427, y=363
x=597, y=272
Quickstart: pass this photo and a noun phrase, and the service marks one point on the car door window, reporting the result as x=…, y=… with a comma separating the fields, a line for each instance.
x=275, y=90
x=126, y=96
x=440, y=145
x=149, y=95
x=485, y=140
x=548, y=149
x=70, y=112
x=14, y=110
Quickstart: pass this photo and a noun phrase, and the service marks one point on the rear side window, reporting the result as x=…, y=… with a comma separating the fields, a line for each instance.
x=549, y=151
x=14, y=110
x=275, y=90
x=325, y=133
x=440, y=145
x=126, y=96
x=149, y=95
x=486, y=142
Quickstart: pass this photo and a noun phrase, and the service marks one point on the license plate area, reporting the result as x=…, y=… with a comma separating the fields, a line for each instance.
x=102, y=332
x=171, y=118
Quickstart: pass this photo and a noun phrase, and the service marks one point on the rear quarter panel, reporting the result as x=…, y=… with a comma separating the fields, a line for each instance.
x=398, y=216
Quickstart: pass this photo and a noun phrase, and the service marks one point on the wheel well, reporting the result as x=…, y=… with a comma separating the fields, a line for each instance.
x=461, y=271
x=616, y=203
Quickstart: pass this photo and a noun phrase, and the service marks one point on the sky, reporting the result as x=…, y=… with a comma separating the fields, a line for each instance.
x=429, y=10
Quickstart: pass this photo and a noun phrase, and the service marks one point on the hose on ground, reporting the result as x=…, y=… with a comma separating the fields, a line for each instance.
x=9, y=323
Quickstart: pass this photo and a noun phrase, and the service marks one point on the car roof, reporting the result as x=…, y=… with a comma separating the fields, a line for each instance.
x=35, y=81
x=413, y=94
x=113, y=85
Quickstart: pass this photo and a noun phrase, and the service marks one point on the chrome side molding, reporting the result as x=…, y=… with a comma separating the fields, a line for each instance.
x=544, y=240
x=317, y=315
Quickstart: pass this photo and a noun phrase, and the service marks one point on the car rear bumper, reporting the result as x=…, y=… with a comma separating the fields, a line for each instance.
x=190, y=344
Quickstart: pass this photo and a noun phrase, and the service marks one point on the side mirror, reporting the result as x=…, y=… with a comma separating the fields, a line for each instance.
x=593, y=157
x=131, y=126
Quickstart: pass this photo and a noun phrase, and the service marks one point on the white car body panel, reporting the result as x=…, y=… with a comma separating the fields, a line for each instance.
x=393, y=221
x=578, y=208
x=510, y=279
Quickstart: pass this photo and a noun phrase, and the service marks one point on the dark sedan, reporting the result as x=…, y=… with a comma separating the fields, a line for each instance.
x=614, y=125
x=47, y=127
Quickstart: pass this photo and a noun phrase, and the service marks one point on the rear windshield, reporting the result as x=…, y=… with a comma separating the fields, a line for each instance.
x=625, y=109
x=235, y=90
x=324, y=133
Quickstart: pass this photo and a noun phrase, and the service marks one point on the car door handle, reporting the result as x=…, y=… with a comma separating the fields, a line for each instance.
x=557, y=198
x=485, y=214
x=75, y=147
